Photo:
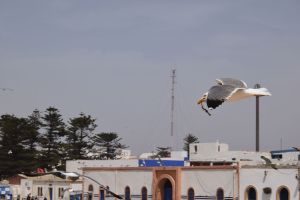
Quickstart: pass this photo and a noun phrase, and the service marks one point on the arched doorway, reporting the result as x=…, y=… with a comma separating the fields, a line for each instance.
x=220, y=194
x=167, y=184
x=251, y=193
x=90, y=192
x=191, y=194
x=165, y=190
x=283, y=193
x=127, y=193
x=144, y=193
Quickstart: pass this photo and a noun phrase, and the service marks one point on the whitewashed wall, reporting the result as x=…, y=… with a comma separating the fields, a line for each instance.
x=206, y=182
x=26, y=187
x=76, y=165
x=118, y=180
x=261, y=178
x=31, y=187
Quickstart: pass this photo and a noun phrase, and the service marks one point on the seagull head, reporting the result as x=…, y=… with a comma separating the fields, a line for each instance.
x=203, y=98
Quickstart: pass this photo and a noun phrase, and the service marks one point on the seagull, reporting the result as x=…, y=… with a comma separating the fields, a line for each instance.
x=229, y=89
x=269, y=162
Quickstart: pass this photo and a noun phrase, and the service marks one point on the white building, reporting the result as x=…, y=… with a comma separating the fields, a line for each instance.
x=45, y=186
x=214, y=173
x=77, y=165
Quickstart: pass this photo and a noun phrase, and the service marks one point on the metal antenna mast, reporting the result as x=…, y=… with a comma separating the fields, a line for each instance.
x=172, y=100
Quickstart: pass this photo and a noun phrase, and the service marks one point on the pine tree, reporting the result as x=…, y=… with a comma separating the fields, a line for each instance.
x=110, y=142
x=80, y=132
x=52, y=140
x=163, y=152
x=33, y=134
x=15, y=154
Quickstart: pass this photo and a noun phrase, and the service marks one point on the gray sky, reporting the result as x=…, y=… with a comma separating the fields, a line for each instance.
x=113, y=60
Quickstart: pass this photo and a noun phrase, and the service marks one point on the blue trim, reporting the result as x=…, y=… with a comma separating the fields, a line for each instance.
x=157, y=163
x=284, y=151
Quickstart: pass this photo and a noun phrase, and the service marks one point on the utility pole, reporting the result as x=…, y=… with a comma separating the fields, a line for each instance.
x=172, y=100
x=298, y=176
x=257, y=120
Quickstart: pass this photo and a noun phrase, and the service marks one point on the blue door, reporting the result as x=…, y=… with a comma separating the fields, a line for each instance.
x=167, y=190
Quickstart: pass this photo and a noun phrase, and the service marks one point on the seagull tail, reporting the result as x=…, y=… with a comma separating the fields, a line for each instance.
x=264, y=92
x=259, y=92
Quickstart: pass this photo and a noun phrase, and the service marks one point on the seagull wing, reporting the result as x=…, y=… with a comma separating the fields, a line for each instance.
x=267, y=160
x=274, y=166
x=231, y=81
x=218, y=94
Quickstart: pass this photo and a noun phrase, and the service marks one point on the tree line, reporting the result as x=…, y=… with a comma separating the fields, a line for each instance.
x=43, y=140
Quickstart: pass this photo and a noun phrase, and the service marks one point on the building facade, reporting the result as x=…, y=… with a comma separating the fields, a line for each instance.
x=44, y=187
x=214, y=172
x=162, y=183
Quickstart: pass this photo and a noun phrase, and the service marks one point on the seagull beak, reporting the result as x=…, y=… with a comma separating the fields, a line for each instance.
x=200, y=101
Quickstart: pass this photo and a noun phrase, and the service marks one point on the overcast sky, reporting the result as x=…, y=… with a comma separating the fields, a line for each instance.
x=113, y=60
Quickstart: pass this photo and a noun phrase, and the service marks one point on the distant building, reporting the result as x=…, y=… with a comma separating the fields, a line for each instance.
x=212, y=172
x=15, y=185
x=45, y=186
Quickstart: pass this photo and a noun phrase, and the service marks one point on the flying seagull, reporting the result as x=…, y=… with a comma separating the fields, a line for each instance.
x=229, y=89
x=269, y=162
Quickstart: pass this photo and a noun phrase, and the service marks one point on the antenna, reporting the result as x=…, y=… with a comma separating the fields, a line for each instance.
x=172, y=100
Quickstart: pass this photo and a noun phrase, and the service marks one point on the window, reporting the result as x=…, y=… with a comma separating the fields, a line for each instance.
x=283, y=194
x=91, y=190
x=251, y=193
x=60, y=192
x=127, y=193
x=196, y=148
x=220, y=194
x=40, y=191
x=276, y=156
x=191, y=194
x=144, y=193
